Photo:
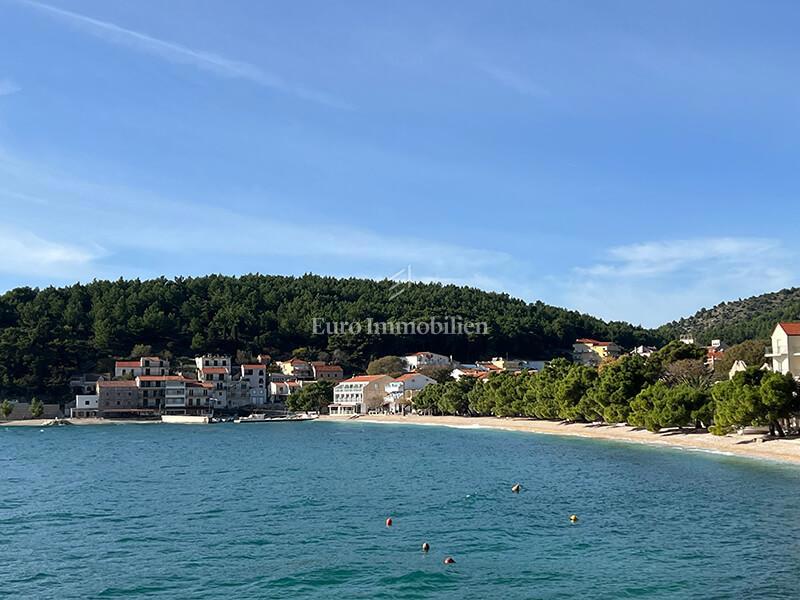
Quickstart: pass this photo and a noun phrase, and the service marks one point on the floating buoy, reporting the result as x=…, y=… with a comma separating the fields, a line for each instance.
x=516, y=488
x=425, y=546
x=573, y=518
x=449, y=560
x=389, y=522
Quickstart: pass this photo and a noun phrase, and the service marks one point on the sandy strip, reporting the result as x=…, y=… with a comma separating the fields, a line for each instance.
x=751, y=446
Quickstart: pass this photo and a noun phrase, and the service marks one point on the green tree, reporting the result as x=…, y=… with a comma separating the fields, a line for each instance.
x=571, y=389
x=427, y=400
x=779, y=399
x=388, y=365
x=140, y=350
x=313, y=397
x=478, y=399
x=36, y=408
x=738, y=402
x=454, y=396
x=617, y=385
x=674, y=351
x=5, y=408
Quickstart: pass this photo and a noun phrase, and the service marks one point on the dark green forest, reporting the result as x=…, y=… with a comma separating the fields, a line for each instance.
x=47, y=335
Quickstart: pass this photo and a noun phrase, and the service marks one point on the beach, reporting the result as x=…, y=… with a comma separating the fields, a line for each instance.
x=751, y=446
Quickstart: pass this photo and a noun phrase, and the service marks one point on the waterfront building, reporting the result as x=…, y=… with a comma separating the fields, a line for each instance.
x=589, y=352
x=85, y=383
x=359, y=395
x=120, y=398
x=401, y=391
x=785, y=350
x=255, y=378
x=86, y=406
x=216, y=370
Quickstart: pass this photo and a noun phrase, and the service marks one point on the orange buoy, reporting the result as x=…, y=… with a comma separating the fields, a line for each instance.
x=425, y=546
x=389, y=522
x=449, y=560
x=573, y=518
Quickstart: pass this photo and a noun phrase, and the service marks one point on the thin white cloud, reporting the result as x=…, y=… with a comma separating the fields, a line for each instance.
x=249, y=240
x=663, y=257
x=181, y=54
x=25, y=253
x=8, y=87
x=656, y=282
x=513, y=80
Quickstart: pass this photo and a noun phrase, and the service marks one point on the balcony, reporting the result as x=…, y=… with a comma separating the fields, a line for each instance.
x=777, y=353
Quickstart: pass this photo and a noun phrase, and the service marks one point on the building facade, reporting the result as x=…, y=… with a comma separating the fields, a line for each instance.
x=784, y=353
x=359, y=395
x=589, y=352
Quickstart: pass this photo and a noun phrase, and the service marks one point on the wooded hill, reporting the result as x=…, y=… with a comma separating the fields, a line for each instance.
x=50, y=334
x=734, y=322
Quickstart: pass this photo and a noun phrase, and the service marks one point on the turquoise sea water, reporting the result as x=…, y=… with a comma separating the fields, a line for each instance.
x=299, y=509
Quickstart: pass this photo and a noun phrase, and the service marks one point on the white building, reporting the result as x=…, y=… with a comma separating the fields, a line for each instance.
x=359, y=395
x=644, y=351
x=426, y=359
x=146, y=365
x=216, y=370
x=85, y=406
x=255, y=376
x=785, y=350
x=401, y=391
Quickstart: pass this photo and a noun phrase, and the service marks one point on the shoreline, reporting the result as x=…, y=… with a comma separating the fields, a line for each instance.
x=748, y=446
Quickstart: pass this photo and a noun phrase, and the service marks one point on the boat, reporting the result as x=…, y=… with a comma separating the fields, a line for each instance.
x=186, y=419
x=287, y=418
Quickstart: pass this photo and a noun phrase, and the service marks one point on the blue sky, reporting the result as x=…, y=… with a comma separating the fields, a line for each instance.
x=633, y=160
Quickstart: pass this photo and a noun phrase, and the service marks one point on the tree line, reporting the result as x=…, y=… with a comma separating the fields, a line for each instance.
x=672, y=388
x=47, y=335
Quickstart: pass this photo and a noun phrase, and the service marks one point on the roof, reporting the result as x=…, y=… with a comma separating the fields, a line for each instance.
x=407, y=376
x=364, y=378
x=120, y=364
x=254, y=366
x=295, y=361
x=327, y=367
x=790, y=328
x=160, y=378
x=117, y=383
x=151, y=358
x=591, y=341
x=214, y=370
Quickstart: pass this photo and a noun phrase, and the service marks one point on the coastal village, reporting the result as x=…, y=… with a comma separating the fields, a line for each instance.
x=148, y=387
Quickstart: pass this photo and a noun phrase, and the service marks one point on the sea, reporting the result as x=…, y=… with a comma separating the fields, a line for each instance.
x=299, y=510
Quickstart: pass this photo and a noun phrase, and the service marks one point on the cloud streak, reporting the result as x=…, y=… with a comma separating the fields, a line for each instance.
x=25, y=253
x=180, y=54
x=8, y=87
x=658, y=281
x=513, y=80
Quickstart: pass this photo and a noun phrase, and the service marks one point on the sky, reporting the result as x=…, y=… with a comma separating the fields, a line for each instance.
x=634, y=160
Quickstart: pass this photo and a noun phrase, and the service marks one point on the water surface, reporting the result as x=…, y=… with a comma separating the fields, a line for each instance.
x=298, y=510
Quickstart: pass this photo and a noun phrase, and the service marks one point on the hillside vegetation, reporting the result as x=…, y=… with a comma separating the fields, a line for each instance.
x=734, y=322
x=49, y=334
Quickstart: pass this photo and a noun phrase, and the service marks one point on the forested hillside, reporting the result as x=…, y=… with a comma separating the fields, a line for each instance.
x=734, y=322
x=47, y=335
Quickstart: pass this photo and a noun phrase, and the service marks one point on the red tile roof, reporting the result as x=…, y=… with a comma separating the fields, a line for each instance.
x=254, y=366
x=407, y=376
x=364, y=378
x=790, y=328
x=214, y=370
x=160, y=378
x=124, y=364
x=327, y=368
x=117, y=384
